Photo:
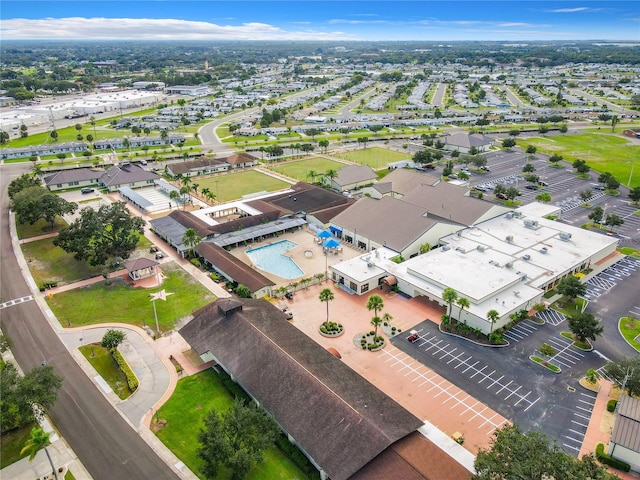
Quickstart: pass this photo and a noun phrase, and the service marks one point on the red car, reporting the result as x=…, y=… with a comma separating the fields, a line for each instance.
x=413, y=336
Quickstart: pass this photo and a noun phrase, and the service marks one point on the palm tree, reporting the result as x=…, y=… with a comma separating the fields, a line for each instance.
x=387, y=318
x=191, y=239
x=592, y=376
x=39, y=439
x=330, y=174
x=326, y=295
x=449, y=295
x=462, y=303
x=174, y=195
x=313, y=174
x=205, y=192
x=375, y=322
x=375, y=303
x=492, y=316
x=184, y=190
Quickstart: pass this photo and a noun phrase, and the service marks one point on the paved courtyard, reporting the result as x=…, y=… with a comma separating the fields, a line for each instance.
x=416, y=387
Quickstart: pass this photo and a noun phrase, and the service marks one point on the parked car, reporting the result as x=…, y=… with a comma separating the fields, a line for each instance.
x=531, y=187
x=413, y=336
x=597, y=186
x=453, y=176
x=502, y=196
x=543, y=184
x=159, y=255
x=486, y=169
x=153, y=249
x=87, y=190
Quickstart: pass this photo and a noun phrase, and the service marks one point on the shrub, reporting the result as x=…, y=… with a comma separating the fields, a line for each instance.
x=214, y=276
x=611, y=405
x=132, y=380
x=496, y=338
x=324, y=330
x=296, y=456
x=195, y=262
x=608, y=460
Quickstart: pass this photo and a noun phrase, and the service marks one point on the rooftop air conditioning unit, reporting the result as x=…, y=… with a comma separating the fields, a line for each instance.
x=533, y=224
x=370, y=265
x=543, y=250
x=565, y=236
x=526, y=257
x=509, y=216
x=461, y=250
x=509, y=238
x=517, y=214
x=524, y=277
x=481, y=248
x=445, y=248
x=508, y=265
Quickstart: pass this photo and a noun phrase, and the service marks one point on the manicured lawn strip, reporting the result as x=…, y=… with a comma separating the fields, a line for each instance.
x=12, y=442
x=300, y=169
x=544, y=363
x=49, y=263
x=100, y=358
x=375, y=157
x=69, y=476
x=632, y=252
x=576, y=343
x=630, y=329
x=41, y=227
x=569, y=309
x=233, y=186
x=116, y=301
x=603, y=152
x=193, y=398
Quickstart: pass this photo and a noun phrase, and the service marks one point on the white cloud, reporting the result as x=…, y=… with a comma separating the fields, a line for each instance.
x=568, y=10
x=152, y=29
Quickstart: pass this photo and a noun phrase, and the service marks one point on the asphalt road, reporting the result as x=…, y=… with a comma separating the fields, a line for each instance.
x=107, y=445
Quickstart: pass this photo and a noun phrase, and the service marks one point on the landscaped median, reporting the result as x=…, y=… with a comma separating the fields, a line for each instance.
x=629, y=328
x=545, y=363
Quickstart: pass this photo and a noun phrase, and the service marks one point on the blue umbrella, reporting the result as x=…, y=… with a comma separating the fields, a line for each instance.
x=331, y=243
x=324, y=234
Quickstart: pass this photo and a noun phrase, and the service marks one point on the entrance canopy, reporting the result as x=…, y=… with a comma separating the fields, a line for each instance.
x=390, y=280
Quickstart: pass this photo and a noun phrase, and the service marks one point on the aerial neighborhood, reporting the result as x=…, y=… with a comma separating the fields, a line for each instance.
x=339, y=261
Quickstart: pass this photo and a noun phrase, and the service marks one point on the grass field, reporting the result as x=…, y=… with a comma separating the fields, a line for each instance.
x=233, y=186
x=86, y=306
x=300, y=169
x=603, y=152
x=100, y=359
x=41, y=227
x=12, y=442
x=375, y=157
x=184, y=413
x=49, y=263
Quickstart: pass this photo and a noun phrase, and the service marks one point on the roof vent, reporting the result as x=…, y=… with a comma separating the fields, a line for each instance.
x=566, y=236
x=526, y=257
x=461, y=250
x=445, y=248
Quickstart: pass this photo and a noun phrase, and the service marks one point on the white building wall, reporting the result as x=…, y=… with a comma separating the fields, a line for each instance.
x=626, y=455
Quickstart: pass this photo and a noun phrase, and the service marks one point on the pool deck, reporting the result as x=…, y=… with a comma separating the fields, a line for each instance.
x=305, y=241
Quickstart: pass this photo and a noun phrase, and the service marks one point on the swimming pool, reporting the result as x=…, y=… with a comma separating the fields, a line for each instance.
x=271, y=259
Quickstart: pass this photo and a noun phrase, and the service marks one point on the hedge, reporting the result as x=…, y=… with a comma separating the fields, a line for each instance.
x=611, y=405
x=296, y=456
x=132, y=380
x=608, y=460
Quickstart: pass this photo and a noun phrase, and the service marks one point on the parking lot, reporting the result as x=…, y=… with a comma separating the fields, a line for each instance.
x=611, y=276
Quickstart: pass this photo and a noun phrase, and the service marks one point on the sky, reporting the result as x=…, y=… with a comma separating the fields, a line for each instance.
x=326, y=20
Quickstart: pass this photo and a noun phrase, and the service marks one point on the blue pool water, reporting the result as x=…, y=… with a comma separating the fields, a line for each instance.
x=271, y=259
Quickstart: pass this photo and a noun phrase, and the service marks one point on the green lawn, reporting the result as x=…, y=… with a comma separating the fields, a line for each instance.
x=86, y=306
x=49, y=263
x=41, y=227
x=630, y=329
x=632, y=252
x=193, y=398
x=375, y=157
x=569, y=308
x=300, y=169
x=12, y=442
x=603, y=152
x=100, y=359
x=233, y=186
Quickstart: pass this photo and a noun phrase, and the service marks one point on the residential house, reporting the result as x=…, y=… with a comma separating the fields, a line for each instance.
x=352, y=177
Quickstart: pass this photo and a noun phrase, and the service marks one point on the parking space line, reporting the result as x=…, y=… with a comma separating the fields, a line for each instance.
x=486, y=376
x=581, y=424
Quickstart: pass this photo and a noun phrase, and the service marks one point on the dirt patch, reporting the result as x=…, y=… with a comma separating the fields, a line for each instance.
x=157, y=425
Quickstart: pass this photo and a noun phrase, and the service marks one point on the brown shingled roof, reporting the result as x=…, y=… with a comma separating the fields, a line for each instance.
x=339, y=418
x=414, y=457
x=245, y=222
x=189, y=220
x=231, y=266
